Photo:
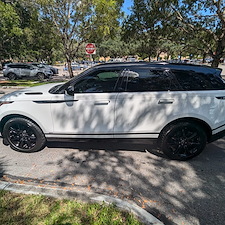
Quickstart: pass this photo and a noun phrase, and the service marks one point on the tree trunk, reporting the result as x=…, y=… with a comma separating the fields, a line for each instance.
x=218, y=54
x=215, y=62
x=158, y=54
x=69, y=67
x=203, y=57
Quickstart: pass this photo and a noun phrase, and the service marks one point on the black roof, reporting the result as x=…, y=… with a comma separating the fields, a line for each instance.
x=175, y=66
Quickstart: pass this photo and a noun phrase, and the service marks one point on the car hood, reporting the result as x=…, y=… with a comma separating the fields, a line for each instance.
x=33, y=93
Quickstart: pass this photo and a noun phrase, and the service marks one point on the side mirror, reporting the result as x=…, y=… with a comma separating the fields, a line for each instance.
x=69, y=91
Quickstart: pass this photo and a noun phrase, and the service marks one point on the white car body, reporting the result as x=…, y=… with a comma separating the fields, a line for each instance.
x=114, y=114
x=108, y=115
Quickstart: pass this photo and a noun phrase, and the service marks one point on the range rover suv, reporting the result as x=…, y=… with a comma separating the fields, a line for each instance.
x=182, y=106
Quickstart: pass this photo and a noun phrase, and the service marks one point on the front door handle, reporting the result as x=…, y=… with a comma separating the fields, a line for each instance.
x=166, y=101
x=101, y=102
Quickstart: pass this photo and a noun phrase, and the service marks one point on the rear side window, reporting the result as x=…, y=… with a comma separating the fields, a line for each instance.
x=191, y=80
x=16, y=66
x=147, y=79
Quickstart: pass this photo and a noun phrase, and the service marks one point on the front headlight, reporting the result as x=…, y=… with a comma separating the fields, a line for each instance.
x=5, y=102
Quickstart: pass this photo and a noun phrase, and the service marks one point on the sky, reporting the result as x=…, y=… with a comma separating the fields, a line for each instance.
x=126, y=5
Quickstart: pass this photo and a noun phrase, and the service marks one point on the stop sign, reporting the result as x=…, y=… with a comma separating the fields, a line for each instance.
x=90, y=48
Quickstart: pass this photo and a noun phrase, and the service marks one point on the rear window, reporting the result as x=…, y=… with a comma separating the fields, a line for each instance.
x=191, y=80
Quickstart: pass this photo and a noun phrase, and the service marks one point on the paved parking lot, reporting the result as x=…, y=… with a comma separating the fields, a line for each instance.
x=189, y=192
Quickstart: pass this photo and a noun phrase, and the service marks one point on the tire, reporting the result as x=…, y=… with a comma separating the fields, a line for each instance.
x=12, y=76
x=40, y=76
x=183, y=141
x=23, y=135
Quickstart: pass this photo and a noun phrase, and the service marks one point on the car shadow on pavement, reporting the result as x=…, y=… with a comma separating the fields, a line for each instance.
x=175, y=192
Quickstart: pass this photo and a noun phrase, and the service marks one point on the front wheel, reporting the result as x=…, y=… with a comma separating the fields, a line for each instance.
x=23, y=135
x=183, y=141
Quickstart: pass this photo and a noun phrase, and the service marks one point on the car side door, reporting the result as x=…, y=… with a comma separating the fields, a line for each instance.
x=86, y=108
x=147, y=102
x=25, y=70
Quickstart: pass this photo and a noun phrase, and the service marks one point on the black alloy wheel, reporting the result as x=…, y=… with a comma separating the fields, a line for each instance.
x=183, y=141
x=23, y=135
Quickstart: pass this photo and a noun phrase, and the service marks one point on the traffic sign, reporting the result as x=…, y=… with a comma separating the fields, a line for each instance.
x=90, y=48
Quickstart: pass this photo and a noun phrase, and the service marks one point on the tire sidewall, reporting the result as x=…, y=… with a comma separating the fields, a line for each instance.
x=40, y=138
x=173, y=129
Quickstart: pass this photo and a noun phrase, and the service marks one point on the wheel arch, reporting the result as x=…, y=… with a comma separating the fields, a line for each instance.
x=197, y=121
x=8, y=117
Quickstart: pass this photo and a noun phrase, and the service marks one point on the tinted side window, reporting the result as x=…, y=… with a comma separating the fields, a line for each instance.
x=191, y=80
x=17, y=66
x=98, y=82
x=13, y=66
x=143, y=80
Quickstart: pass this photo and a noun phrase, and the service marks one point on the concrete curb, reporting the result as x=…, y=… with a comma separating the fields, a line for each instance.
x=142, y=214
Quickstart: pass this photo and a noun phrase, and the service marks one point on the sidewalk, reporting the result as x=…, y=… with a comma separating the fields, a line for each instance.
x=71, y=193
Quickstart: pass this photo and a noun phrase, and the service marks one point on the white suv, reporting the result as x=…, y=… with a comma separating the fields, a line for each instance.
x=183, y=106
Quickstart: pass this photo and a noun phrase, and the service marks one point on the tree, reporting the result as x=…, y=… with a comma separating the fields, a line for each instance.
x=203, y=21
x=113, y=47
x=10, y=30
x=145, y=23
x=77, y=21
x=199, y=20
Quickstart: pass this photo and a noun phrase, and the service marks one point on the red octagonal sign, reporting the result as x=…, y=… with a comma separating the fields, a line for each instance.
x=90, y=48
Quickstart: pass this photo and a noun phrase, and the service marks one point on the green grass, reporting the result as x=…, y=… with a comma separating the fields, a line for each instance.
x=29, y=83
x=21, y=209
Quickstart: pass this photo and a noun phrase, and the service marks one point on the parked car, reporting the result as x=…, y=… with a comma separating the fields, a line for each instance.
x=51, y=70
x=180, y=105
x=44, y=67
x=20, y=70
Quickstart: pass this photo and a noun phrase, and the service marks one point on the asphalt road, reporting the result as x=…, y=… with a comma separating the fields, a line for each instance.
x=189, y=192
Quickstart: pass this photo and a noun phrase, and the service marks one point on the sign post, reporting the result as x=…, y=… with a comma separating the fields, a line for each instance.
x=90, y=49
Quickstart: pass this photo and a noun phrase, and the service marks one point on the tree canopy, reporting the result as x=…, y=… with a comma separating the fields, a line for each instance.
x=42, y=29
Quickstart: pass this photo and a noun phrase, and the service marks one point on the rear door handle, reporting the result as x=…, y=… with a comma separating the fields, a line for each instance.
x=101, y=102
x=166, y=101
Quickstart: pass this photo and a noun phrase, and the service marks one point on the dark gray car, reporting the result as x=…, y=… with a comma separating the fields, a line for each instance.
x=21, y=70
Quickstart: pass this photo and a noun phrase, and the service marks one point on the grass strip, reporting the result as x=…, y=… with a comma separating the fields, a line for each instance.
x=26, y=83
x=21, y=209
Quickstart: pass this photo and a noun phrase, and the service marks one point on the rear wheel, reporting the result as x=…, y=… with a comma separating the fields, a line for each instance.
x=12, y=76
x=183, y=141
x=23, y=135
x=40, y=76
